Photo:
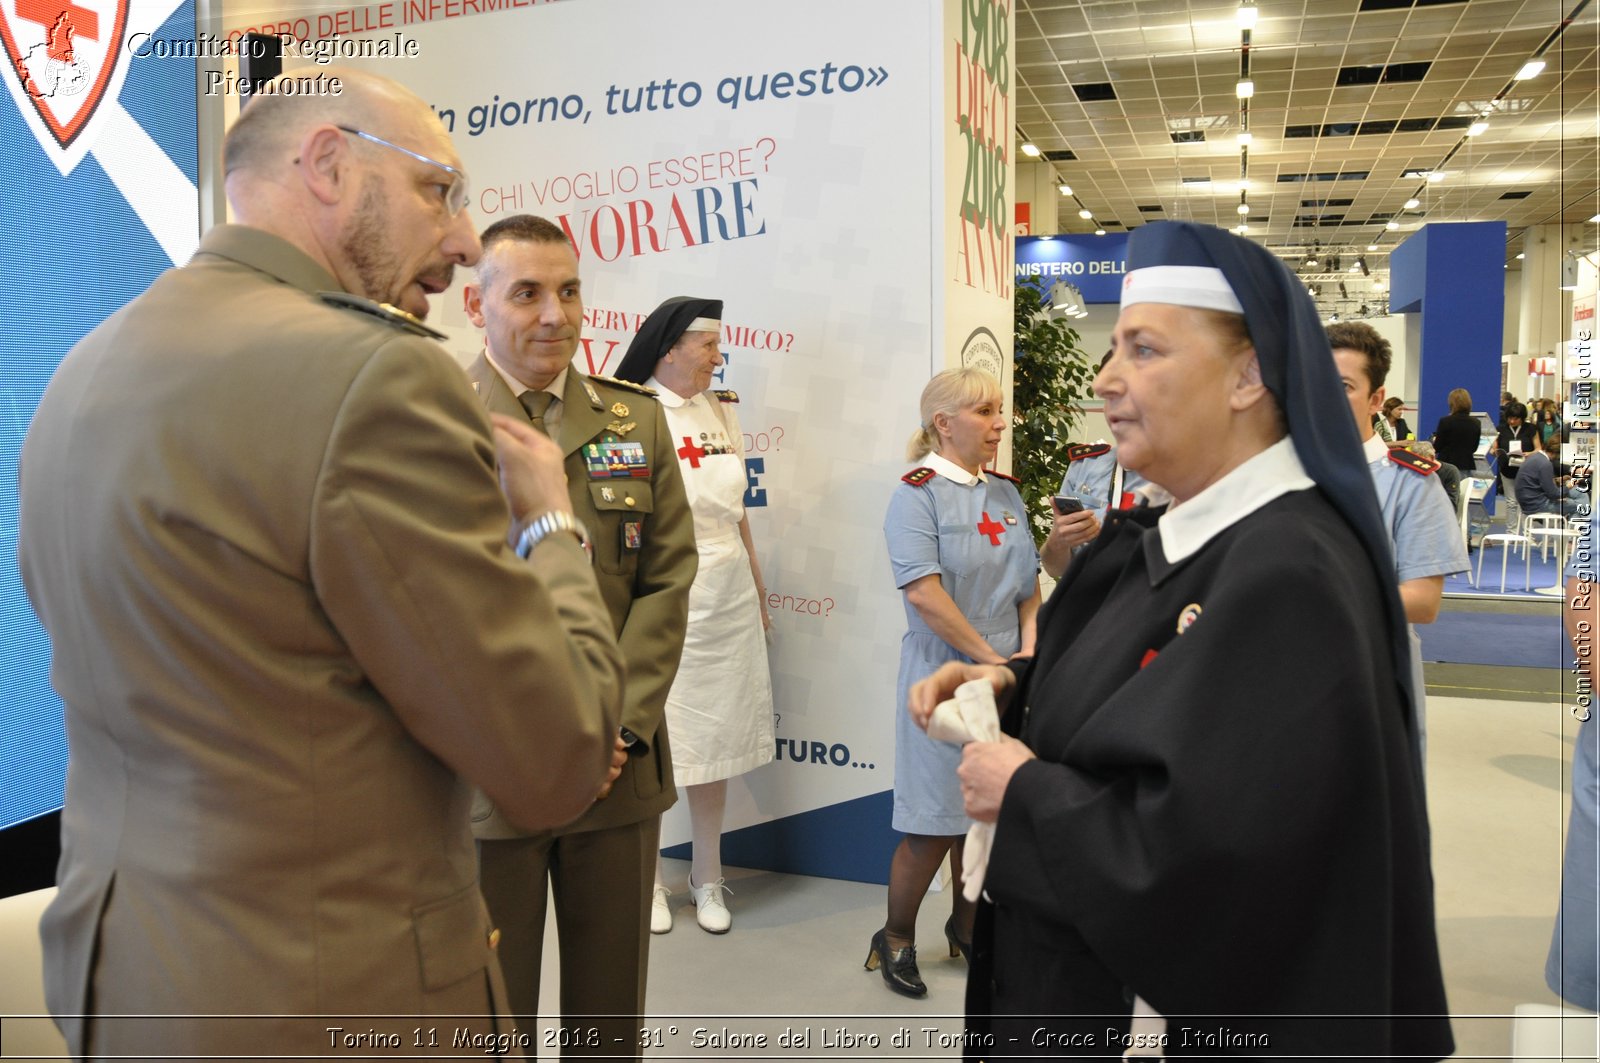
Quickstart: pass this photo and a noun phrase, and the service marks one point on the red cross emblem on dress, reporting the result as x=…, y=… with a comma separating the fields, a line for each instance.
x=63, y=56
x=992, y=528
x=691, y=452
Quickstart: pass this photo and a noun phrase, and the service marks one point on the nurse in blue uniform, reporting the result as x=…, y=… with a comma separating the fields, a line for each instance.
x=963, y=556
x=1572, y=969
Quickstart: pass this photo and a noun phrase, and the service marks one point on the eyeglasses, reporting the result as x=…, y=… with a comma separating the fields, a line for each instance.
x=455, y=196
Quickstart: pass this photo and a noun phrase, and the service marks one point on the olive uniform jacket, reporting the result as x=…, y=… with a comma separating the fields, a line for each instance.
x=645, y=560
x=265, y=535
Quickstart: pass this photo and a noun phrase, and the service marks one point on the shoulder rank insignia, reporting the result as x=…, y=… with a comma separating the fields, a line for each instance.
x=386, y=312
x=918, y=477
x=630, y=385
x=1080, y=451
x=1415, y=462
x=1003, y=476
x=726, y=395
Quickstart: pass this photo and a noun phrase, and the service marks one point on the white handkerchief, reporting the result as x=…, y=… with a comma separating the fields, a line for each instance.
x=970, y=716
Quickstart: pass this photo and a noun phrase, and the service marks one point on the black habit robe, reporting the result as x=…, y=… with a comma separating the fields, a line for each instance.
x=1225, y=821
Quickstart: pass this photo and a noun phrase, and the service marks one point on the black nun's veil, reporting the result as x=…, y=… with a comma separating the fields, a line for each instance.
x=660, y=331
x=1297, y=367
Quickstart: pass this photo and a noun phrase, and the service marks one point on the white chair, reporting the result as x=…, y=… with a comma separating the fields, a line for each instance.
x=1534, y=523
x=1507, y=542
x=22, y=979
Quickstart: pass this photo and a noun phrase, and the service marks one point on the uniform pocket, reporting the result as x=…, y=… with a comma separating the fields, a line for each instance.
x=622, y=509
x=452, y=938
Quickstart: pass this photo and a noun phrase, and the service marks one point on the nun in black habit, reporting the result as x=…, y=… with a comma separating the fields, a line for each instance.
x=1210, y=830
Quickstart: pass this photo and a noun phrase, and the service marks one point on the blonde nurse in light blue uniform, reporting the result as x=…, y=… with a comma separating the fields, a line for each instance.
x=963, y=556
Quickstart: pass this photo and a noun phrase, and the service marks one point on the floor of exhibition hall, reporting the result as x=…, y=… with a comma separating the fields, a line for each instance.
x=1499, y=752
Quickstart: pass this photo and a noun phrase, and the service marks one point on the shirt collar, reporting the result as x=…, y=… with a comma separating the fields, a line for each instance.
x=951, y=471
x=1188, y=526
x=1377, y=448
x=556, y=387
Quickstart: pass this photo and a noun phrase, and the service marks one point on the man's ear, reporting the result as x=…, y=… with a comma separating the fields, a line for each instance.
x=1375, y=404
x=1248, y=389
x=325, y=163
x=472, y=302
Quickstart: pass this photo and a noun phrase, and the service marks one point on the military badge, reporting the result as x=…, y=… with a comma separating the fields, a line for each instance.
x=632, y=536
x=619, y=409
x=1186, y=619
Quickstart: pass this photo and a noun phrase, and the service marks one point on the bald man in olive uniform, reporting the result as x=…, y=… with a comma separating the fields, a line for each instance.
x=624, y=483
x=261, y=523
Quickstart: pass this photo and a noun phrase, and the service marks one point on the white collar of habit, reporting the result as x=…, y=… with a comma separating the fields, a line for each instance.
x=951, y=471
x=1275, y=472
x=666, y=396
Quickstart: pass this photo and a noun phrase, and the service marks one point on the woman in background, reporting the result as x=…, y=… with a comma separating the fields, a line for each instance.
x=963, y=556
x=1458, y=434
x=1399, y=431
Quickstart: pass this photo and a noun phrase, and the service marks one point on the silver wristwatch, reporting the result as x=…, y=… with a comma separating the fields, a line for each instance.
x=554, y=520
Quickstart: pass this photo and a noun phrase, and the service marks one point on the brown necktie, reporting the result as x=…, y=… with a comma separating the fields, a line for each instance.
x=537, y=403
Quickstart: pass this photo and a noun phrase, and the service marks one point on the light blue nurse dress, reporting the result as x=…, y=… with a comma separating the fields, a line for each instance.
x=976, y=538
x=1572, y=969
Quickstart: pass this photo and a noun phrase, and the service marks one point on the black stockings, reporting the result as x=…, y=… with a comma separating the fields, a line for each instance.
x=916, y=860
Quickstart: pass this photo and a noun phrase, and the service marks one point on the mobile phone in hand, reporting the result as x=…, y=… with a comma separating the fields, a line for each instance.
x=1066, y=504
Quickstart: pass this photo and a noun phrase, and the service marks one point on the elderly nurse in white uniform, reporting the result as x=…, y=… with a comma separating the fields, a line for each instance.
x=719, y=712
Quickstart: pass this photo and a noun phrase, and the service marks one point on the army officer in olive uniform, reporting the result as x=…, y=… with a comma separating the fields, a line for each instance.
x=622, y=475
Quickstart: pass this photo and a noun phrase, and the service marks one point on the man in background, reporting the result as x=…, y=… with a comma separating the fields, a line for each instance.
x=623, y=480
x=261, y=522
x=1422, y=525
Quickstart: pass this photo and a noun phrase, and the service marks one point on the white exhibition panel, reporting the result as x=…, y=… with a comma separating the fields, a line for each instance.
x=767, y=166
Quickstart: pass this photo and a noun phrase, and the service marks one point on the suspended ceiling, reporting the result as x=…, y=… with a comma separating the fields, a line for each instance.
x=1350, y=105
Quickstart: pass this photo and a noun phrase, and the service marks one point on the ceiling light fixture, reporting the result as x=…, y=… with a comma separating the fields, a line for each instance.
x=1245, y=89
x=1030, y=149
x=1245, y=138
x=1477, y=128
x=1247, y=15
x=1243, y=208
x=1372, y=247
x=1392, y=226
x=1066, y=190
x=1521, y=255
x=1086, y=214
x=1241, y=228
x=1412, y=204
x=1435, y=176
x=1531, y=69
x=1099, y=232
x=1596, y=218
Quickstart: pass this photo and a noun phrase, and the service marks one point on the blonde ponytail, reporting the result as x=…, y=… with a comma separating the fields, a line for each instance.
x=923, y=441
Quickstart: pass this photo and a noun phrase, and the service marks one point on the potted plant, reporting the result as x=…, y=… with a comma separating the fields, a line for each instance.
x=1051, y=375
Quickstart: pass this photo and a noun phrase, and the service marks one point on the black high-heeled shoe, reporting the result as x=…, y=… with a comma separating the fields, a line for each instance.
x=899, y=967
x=957, y=946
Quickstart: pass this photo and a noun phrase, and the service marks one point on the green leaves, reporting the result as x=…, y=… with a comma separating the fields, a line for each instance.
x=1050, y=378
